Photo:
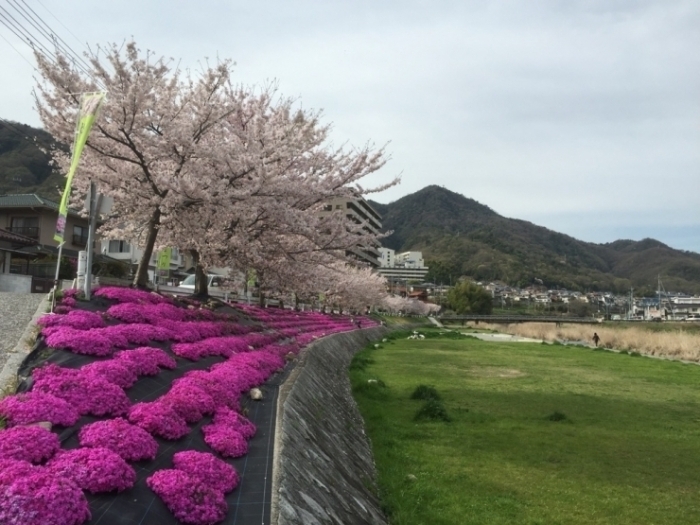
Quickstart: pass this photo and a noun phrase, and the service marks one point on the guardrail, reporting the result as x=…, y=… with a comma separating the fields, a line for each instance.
x=508, y=319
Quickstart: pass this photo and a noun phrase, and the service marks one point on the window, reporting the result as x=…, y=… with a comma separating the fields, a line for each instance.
x=80, y=235
x=119, y=247
x=27, y=226
x=338, y=206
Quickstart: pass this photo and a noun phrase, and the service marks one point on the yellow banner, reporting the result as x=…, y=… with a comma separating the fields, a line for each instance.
x=164, y=259
x=89, y=106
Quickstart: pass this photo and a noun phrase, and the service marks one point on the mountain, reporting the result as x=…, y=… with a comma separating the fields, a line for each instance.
x=461, y=237
x=25, y=161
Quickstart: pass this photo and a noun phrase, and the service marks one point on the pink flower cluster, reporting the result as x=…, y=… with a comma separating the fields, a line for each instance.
x=131, y=442
x=146, y=361
x=214, y=472
x=11, y=469
x=33, y=407
x=129, y=295
x=93, y=469
x=33, y=443
x=43, y=498
x=87, y=392
x=189, y=498
x=78, y=319
x=160, y=419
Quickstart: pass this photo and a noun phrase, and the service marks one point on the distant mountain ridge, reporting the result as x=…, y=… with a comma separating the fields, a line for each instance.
x=461, y=237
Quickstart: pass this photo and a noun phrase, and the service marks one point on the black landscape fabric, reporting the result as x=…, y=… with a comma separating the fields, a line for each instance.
x=248, y=504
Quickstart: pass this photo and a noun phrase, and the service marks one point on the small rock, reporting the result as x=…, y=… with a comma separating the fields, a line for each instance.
x=43, y=424
x=290, y=356
x=384, y=340
x=256, y=394
x=376, y=346
x=372, y=381
x=411, y=477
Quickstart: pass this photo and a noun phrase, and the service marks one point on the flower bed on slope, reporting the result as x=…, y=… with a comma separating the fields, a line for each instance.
x=210, y=359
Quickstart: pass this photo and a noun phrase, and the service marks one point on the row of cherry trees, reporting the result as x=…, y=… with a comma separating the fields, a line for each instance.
x=237, y=175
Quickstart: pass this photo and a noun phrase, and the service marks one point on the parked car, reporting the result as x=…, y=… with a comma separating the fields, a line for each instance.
x=213, y=281
x=693, y=317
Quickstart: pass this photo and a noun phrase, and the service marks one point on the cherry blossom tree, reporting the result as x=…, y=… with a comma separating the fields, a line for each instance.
x=150, y=133
x=238, y=176
x=257, y=204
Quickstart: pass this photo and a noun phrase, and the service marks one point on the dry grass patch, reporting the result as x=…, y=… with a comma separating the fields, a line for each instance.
x=670, y=344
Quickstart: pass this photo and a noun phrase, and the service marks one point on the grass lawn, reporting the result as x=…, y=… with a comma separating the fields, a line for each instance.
x=626, y=452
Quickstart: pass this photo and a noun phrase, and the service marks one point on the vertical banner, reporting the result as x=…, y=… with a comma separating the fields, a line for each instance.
x=89, y=106
x=164, y=259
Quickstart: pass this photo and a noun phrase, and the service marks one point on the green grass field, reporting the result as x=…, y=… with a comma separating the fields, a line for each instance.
x=539, y=434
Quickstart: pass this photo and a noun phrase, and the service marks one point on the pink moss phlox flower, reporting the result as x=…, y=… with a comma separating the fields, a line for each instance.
x=88, y=394
x=189, y=400
x=211, y=470
x=68, y=302
x=43, y=498
x=189, y=499
x=146, y=313
x=225, y=440
x=33, y=407
x=113, y=371
x=136, y=333
x=237, y=377
x=131, y=442
x=217, y=386
x=213, y=346
x=71, y=292
x=32, y=443
x=93, y=469
x=182, y=332
x=129, y=295
x=146, y=361
x=160, y=419
x=78, y=319
x=232, y=419
x=85, y=342
x=12, y=469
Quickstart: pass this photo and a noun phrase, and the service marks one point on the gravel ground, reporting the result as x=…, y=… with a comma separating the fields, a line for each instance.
x=16, y=311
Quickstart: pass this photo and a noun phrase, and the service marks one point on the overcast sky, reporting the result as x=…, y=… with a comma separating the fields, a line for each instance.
x=581, y=116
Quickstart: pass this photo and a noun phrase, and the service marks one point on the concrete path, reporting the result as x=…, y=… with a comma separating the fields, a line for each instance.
x=18, y=314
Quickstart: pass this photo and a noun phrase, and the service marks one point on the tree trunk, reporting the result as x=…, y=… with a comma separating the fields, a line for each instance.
x=141, y=277
x=201, y=284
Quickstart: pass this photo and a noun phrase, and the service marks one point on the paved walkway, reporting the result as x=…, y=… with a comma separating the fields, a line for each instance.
x=16, y=312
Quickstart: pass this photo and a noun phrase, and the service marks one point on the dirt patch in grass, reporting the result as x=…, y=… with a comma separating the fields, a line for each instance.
x=494, y=371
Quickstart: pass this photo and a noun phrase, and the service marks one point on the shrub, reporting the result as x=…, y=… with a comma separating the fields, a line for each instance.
x=556, y=416
x=425, y=392
x=433, y=410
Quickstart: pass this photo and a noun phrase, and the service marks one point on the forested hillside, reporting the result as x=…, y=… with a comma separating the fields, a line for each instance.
x=459, y=236
x=25, y=162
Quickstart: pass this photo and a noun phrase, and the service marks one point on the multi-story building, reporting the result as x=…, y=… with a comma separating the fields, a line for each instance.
x=359, y=211
x=402, y=267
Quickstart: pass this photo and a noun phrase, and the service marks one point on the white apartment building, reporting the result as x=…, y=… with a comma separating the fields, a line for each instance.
x=405, y=266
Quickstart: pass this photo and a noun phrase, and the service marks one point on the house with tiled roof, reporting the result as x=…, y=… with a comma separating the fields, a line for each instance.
x=29, y=223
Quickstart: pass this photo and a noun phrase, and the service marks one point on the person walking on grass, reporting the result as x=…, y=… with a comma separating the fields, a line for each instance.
x=596, y=339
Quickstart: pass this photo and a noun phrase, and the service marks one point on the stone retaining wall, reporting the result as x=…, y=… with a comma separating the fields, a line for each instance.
x=324, y=470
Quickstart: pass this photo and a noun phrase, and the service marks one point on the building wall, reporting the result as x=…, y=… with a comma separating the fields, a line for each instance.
x=47, y=225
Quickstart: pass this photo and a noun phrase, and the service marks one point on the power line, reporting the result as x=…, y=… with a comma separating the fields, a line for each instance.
x=55, y=38
x=36, y=43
